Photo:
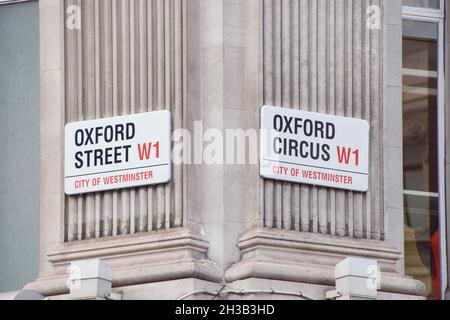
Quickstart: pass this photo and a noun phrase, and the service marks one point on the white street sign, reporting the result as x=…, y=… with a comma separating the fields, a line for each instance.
x=314, y=149
x=117, y=153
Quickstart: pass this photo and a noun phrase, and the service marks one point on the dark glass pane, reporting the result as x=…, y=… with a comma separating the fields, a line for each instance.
x=420, y=30
x=422, y=241
x=420, y=115
x=432, y=4
x=420, y=54
x=420, y=154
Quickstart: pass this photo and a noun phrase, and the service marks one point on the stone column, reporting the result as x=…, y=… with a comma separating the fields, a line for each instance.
x=322, y=56
x=124, y=57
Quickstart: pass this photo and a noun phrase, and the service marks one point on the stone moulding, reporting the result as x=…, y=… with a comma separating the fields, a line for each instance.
x=130, y=244
x=310, y=258
x=156, y=257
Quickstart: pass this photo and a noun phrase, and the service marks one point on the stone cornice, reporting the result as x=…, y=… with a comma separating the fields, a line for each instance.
x=310, y=258
x=128, y=245
x=141, y=259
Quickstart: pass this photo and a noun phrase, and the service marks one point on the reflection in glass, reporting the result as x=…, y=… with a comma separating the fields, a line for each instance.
x=420, y=159
x=433, y=4
x=422, y=241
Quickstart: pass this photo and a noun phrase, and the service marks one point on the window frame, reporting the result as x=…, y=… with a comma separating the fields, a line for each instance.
x=438, y=17
x=4, y=2
x=425, y=12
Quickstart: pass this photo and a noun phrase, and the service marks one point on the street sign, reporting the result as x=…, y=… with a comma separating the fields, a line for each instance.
x=115, y=153
x=314, y=149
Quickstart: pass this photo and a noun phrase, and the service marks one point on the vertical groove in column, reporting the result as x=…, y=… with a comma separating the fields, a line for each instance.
x=80, y=67
x=151, y=93
x=98, y=110
x=268, y=99
x=116, y=21
x=358, y=55
x=367, y=105
x=349, y=101
x=376, y=88
x=277, y=35
x=304, y=100
x=322, y=206
x=68, y=217
x=160, y=53
x=125, y=101
x=295, y=96
x=184, y=100
x=89, y=97
x=331, y=101
x=378, y=101
x=178, y=108
x=71, y=48
x=134, y=96
x=286, y=100
x=168, y=66
x=340, y=102
x=313, y=102
x=107, y=100
x=143, y=99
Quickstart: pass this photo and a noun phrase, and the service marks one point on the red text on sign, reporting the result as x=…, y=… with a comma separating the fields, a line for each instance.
x=345, y=155
x=146, y=151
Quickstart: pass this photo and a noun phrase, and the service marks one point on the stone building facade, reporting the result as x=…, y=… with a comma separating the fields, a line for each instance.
x=217, y=62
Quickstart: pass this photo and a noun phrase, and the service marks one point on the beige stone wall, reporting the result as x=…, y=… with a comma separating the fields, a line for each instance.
x=130, y=56
x=219, y=61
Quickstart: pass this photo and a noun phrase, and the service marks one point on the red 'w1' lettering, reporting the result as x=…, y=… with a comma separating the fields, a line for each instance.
x=344, y=155
x=145, y=150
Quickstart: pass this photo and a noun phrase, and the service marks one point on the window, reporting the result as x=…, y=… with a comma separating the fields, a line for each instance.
x=433, y=4
x=423, y=146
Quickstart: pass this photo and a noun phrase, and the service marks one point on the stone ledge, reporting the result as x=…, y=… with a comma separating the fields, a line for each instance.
x=284, y=290
x=314, y=248
x=137, y=275
x=127, y=245
x=189, y=289
x=310, y=258
x=140, y=259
